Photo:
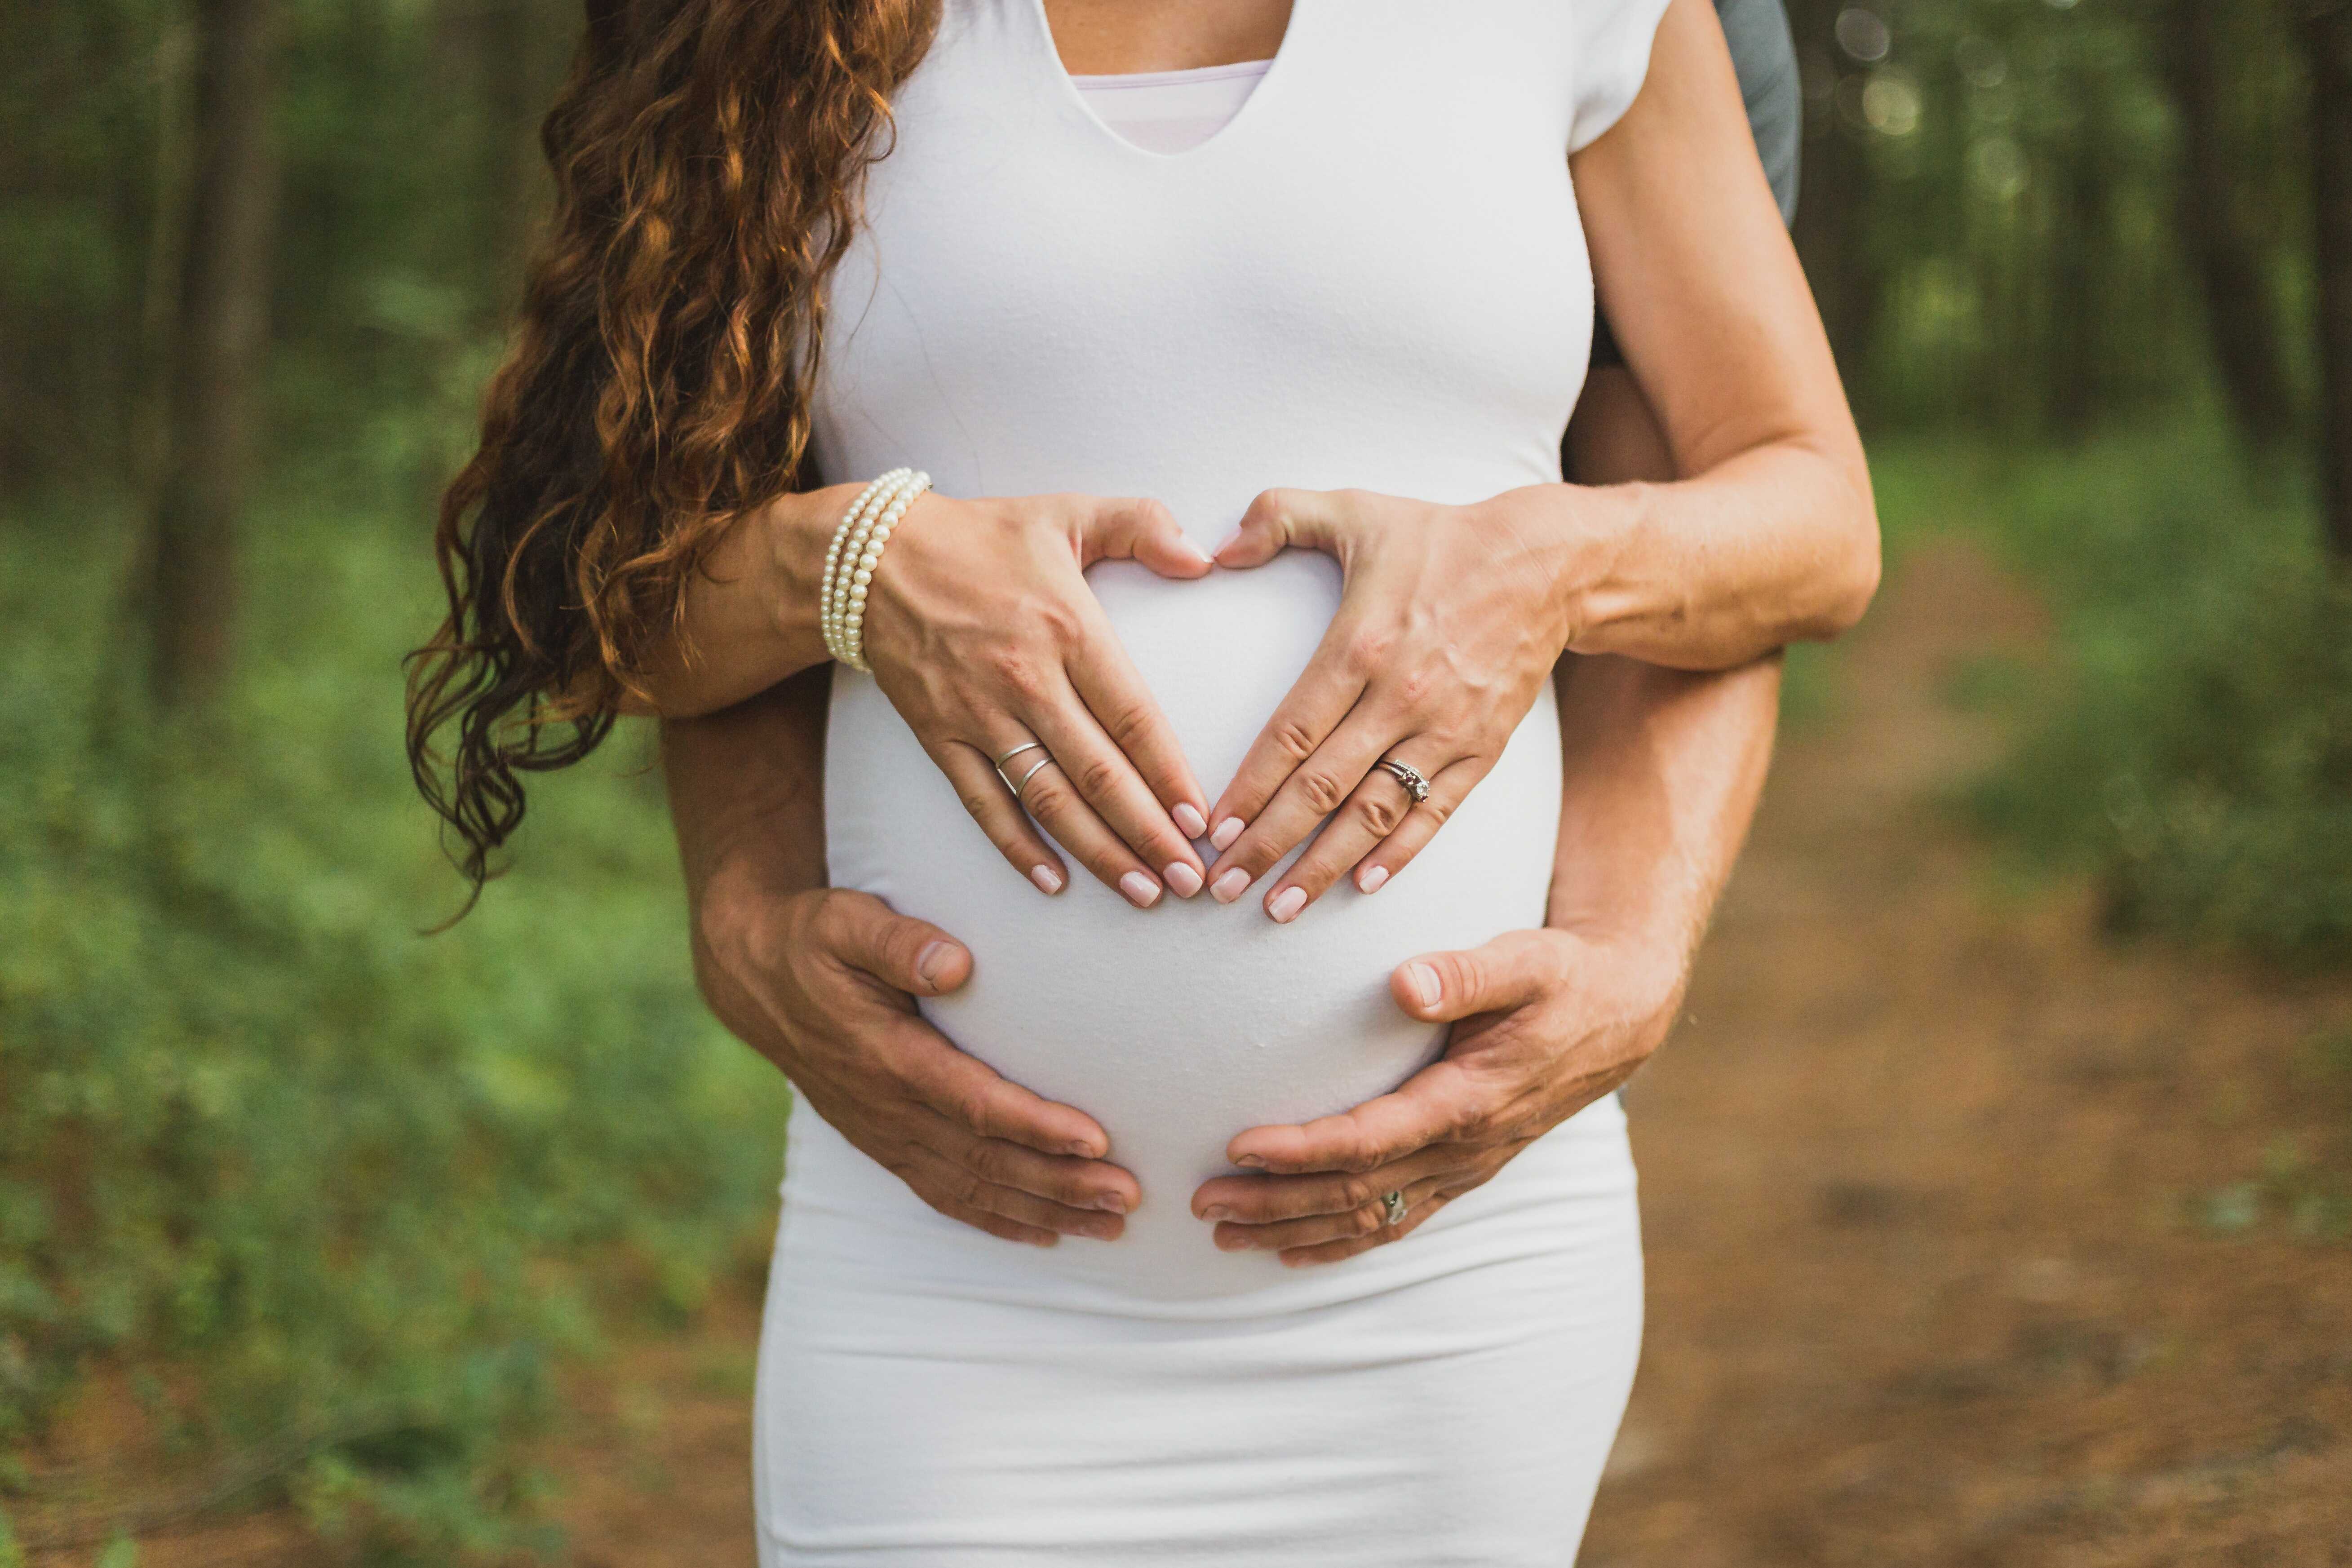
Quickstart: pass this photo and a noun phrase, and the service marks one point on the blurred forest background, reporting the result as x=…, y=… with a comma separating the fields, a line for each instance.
x=311, y=1211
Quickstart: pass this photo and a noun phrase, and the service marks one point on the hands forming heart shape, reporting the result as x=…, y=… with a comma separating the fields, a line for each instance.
x=985, y=636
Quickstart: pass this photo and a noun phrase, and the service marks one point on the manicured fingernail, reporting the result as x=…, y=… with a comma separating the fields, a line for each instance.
x=1255, y=1162
x=1227, y=831
x=1424, y=983
x=1216, y=1212
x=1184, y=879
x=1371, y=878
x=1140, y=891
x=1099, y=1230
x=1229, y=887
x=931, y=963
x=1227, y=543
x=1188, y=817
x=1287, y=903
x=1184, y=542
x=1046, y=878
x=1111, y=1201
x=1082, y=1151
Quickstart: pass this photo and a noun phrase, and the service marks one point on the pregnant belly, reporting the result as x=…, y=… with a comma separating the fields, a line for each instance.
x=1180, y=1026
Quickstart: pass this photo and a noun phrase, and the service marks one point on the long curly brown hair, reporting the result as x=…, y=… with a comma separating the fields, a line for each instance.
x=709, y=157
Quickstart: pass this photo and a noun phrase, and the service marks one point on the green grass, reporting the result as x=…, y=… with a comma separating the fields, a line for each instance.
x=270, y=1157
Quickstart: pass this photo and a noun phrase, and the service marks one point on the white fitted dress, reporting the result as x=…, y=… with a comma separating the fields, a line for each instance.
x=1373, y=276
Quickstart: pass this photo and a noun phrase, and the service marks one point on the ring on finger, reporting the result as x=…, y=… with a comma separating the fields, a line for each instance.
x=1035, y=769
x=1392, y=1208
x=1408, y=775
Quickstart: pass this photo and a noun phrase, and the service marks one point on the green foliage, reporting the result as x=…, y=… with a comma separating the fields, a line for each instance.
x=2196, y=749
x=323, y=1183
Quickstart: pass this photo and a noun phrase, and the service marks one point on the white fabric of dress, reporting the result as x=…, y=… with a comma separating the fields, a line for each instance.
x=1372, y=275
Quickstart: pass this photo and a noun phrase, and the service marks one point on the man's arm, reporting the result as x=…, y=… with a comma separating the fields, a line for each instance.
x=823, y=982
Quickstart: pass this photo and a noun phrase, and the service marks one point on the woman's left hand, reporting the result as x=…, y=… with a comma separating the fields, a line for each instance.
x=1450, y=620
x=1545, y=1023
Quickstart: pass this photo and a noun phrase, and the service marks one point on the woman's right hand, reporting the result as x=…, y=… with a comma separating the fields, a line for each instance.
x=983, y=632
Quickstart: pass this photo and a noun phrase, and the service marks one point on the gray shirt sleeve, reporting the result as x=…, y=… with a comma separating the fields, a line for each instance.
x=1766, y=58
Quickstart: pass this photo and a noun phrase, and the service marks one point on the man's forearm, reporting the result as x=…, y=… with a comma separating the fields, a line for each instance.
x=1664, y=769
x=747, y=798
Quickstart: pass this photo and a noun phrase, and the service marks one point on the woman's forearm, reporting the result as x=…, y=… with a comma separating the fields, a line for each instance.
x=749, y=619
x=1776, y=545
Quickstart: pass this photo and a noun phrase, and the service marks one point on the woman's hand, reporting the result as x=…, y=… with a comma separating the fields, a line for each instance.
x=1449, y=621
x=824, y=983
x=1545, y=1023
x=983, y=632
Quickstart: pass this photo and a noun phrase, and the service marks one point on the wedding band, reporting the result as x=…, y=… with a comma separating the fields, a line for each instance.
x=1024, y=746
x=1408, y=775
x=1392, y=1208
x=1042, y=763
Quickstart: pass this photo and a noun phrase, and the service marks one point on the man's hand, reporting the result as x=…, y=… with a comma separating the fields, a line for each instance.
x=1545, y=1023
x=823, y=983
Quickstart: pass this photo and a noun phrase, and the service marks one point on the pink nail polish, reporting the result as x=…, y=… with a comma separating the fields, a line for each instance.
x=1227, y=543
x=1140, y=891
x=1217, y=1211
x=1424, y=983
x=1112, y=1202
x=1183, y=878
x=1286, y=904
x=1255, y=1162
x=1188, y=818
x=1048, y=881
x=1230, y=886
x=1227, y=831
x=1373, y=879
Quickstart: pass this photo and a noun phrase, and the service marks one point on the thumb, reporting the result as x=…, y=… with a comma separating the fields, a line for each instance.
x=1276, y=520
x=1140, y=531
x=903, y=952
x=1512, y=971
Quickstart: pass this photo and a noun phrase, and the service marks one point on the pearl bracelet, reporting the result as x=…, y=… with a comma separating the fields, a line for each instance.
x=829, y=595
x=856, y=551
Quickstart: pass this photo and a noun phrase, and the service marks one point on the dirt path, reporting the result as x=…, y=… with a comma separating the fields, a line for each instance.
x=1953, y=1257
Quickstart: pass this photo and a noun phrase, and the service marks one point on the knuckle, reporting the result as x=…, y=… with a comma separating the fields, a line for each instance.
x=1047, y=796
x=1380, y=814
x=988, y=1160
x=1365, y=1221
x=1292, y=739
x=1321, y=791
x=1096, y=777
x=1357, y=1191
x=1368, y=649
x=1127, y=722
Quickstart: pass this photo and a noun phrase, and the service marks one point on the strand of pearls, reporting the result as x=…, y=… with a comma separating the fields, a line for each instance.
x=856, y=551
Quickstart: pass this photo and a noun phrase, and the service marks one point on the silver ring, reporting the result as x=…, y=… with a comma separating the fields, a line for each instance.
x=1392, y=1208
x=1024, y=746
x=1408, y=775
x=1043, y=763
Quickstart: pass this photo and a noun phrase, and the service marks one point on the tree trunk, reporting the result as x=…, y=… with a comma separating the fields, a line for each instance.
x=2327, y=32
x=219, y=332
x=2225, y=254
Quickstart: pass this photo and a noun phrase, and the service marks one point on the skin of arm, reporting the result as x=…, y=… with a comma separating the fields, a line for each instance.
x=1662, y=770
x=1453, y=617
x=823, y=983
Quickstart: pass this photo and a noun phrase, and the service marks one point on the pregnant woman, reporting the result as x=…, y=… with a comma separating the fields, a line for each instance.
x=1239, y=429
